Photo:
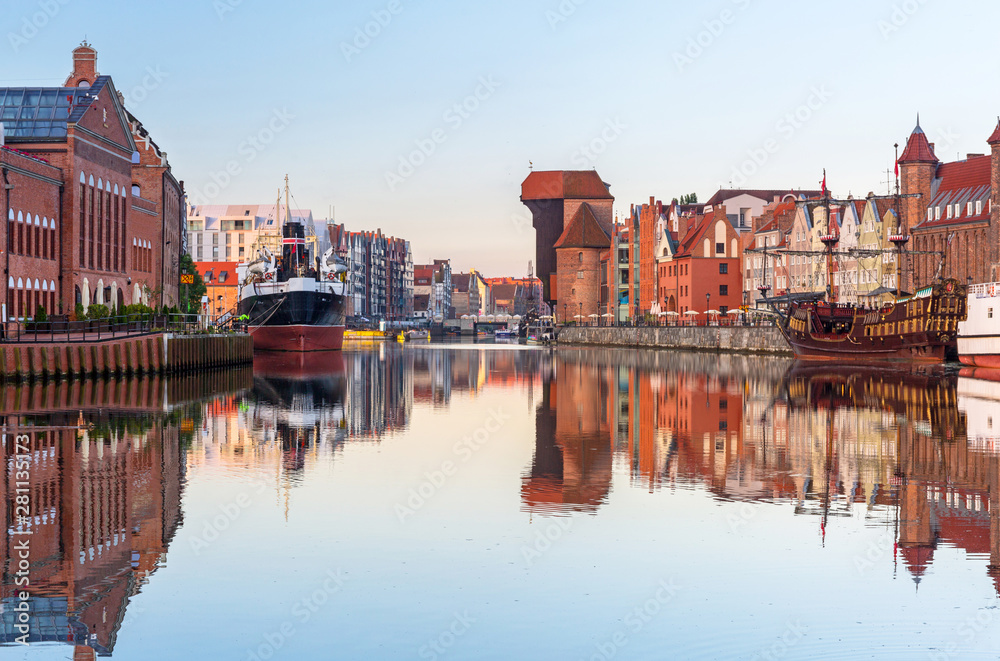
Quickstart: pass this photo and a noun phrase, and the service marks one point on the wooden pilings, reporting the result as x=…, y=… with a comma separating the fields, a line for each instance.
x=163, y=353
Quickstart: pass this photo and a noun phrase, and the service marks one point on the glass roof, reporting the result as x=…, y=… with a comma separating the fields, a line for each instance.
x=39, y=112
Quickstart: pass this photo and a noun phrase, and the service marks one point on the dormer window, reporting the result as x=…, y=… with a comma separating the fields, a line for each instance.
x=937, y=213
x=958, y=210
x=930, y=213
x=949, y=211
x=968, y=209
x=979, y=207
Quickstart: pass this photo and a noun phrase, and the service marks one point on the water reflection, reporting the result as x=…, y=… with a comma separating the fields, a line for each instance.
x=898, y=441
x=911, y=451
x=106, y=471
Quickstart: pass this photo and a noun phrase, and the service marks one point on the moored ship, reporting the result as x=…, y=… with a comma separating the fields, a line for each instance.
x=919, y=327
x=979, y=334
x=292, y=301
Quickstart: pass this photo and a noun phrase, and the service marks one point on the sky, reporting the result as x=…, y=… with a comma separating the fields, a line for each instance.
x=421, y=118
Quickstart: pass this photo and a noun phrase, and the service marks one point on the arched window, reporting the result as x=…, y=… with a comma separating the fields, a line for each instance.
x=10, y=230
x=135, y=191
x=90, y=226
x=100, y=224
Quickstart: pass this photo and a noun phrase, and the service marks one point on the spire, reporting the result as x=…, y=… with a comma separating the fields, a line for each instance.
x=995, y=138
x=918, y=149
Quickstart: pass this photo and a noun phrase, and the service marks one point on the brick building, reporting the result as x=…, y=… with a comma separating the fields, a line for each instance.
x=111, y=239
x=706, y=266
x=554, y=198
x=955, y=211
x=578, y=277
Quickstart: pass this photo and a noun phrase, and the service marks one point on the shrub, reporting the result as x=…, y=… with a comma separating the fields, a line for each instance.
x=98, y=311
x=79, y=313
x=40, y=314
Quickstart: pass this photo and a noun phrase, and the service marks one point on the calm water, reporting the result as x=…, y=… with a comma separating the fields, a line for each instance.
x=471, y=502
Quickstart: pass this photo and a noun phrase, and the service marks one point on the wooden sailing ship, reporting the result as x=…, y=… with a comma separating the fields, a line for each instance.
x=918, y=327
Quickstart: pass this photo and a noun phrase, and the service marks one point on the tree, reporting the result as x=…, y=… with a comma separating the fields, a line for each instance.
x=690, y=198
x=192, y=302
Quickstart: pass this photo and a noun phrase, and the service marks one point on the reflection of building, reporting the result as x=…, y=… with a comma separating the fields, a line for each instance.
x=824, y=439
x=106, y=495
x=571, y=468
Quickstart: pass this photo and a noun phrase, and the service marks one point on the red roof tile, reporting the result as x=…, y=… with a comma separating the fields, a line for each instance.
x=918, y=149
x=995, y=138
x=583, y=231
x=565, y=184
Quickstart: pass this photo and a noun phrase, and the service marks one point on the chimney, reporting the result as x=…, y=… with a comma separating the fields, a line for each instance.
x=84, y=66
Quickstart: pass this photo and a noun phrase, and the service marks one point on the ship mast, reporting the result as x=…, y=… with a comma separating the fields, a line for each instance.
x=829, y=240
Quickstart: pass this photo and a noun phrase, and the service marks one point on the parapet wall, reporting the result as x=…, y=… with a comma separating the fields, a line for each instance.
x=163, y=353
x=737, y=339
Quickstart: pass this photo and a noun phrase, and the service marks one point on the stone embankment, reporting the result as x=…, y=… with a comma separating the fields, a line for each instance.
x=736, y=339
x=161, y=353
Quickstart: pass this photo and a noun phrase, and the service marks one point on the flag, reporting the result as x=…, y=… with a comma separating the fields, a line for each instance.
x=897, y=168
x=824, y=182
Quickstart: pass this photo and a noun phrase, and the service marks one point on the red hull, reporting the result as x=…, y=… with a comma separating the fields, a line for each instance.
x=298, y=338
x=982, y=360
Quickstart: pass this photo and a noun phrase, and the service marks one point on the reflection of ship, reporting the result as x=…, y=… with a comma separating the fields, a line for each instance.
x=292, y=302
x=300, y=400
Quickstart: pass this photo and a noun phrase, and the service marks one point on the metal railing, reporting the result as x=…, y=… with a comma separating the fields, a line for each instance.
x=60, y=329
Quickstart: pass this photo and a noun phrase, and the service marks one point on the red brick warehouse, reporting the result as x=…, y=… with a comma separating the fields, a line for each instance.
x=94, y=214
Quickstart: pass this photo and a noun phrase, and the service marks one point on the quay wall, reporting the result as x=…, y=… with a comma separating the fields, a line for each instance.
x=737, y=339
x=160, y=353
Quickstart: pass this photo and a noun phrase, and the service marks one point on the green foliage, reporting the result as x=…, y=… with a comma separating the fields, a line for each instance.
x=40, y=314
x=136, y=309
x=98, y=311
x=79, y=312
x=191, y=302
x=690, y=198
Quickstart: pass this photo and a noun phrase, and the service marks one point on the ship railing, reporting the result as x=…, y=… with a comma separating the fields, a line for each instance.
x=60, y=329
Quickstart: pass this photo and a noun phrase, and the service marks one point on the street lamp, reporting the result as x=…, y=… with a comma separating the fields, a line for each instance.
x=708, y=298
x=581, y=313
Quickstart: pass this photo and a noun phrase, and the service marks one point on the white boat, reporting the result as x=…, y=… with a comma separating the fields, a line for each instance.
x=979, y=334
x=504, y=333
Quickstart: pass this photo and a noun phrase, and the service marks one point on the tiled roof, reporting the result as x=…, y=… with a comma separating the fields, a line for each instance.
x=564, y=184
x=996, y=134
x=959, y=183
x=918, y=149
x=695, y=235
x=583, y=231
x=460, y=282
x=767, y=195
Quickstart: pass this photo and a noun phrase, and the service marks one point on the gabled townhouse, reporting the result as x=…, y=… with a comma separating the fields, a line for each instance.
x=708, y=265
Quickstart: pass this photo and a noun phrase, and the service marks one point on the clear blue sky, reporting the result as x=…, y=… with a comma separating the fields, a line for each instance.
x=625, y=77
